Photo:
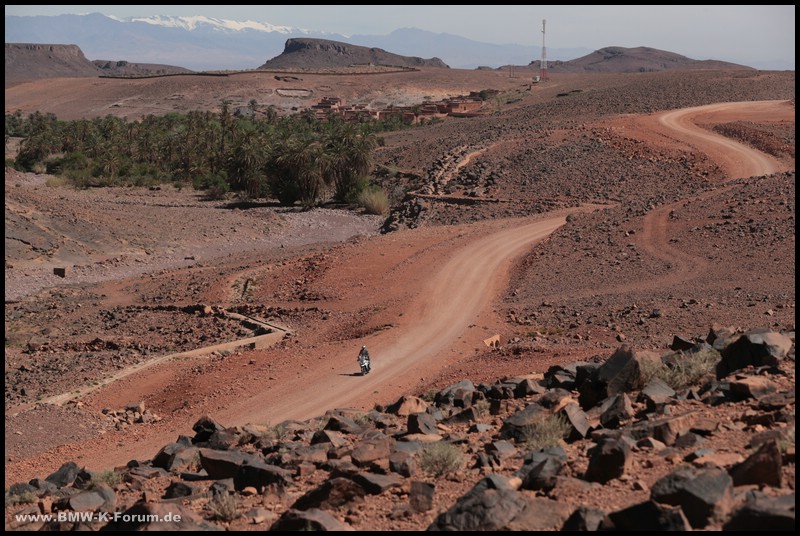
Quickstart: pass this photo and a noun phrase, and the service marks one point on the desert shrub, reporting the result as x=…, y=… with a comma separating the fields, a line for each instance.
x=362, y=419
x=56, y=182
x=440, y=459
x=374, y=201
x=223, y=507
x=59, y=164
x=545, y=433
x=687, y=370
x=109, y=477
x=214, y=184
x=429, y=395
x=482, y=406
x=13, y=499
x=39, y=168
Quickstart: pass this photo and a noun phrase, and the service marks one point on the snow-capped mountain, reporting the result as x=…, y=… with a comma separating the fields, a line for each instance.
x=200, y=21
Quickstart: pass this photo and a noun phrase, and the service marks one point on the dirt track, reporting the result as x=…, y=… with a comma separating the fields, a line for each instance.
x=427, y=326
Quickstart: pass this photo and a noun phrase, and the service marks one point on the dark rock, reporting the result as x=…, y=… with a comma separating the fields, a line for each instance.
x=528, y=387
x=99, y=499
x=339, y=423
x=667, y=429
x=332, y=493
x=541, y=514
x=655, y=394
x=367, y=452
x=481, y=509
x=623, y=370
x=680, y=343
x=421, y=496
x=162, y=457
x=554, y=397
x=608, y=460
x=312, y=519
x=755, y=348
x=179, y=489
x=406, y=405
x=470, y=414
x=225, y=464
x=761, y=467
x=578, y=421
x=479, y=428
x=647, y=516
x=403, y=463
x=515, y=427
x=65, y=475
x=259, y=474
x=762, y=513
x=421, y=423
x=584, y=519
x=704, y=495
x=375, y=484
x=689, y=440
x=336, y=439
x=752, y=387
x=222, y=487
x=183, y=458
x=226, y=439
x=616, y=410
x=500, y=449
x=204, y=428
x=542, y=468
x=447, y=395
x=500, y=392
x=43, y=486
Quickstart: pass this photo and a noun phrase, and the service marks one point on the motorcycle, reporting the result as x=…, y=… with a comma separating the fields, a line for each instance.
x=365, y=367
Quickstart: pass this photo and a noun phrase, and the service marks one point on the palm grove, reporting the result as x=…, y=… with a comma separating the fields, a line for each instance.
x=294, y=159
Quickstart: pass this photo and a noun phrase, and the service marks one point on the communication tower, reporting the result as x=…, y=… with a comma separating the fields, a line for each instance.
x=543, y=72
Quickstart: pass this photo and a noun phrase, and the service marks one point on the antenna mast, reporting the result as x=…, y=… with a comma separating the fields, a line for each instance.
x=543, y=73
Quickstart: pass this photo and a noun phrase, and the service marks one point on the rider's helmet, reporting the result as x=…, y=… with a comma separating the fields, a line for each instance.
x=364, y=347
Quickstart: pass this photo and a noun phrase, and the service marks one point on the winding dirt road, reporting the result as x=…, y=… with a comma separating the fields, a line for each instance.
x=434, y=327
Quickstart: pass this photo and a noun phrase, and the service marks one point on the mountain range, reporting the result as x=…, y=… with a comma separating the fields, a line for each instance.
x=205, y=43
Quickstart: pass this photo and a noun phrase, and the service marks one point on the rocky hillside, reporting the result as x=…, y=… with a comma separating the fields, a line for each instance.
x=633, y=60
x=322, y=54
x=25, y=61
x=126, y=68
x=700, y=437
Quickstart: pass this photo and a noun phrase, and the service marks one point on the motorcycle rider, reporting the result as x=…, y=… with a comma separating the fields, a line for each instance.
x=363, y=360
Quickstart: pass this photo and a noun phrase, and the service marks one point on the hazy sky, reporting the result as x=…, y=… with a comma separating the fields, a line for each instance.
x=749, y=35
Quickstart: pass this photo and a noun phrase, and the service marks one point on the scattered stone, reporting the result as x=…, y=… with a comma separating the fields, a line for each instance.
x=762, y=513
x=755, y=348
x=65, y=475
x=407, y=405
x=312, y=519
x=761, y=467
x=647, y=516
x=584, y=519
x=332, y=493
x=608, y=460
x=421, y=496
x=704, y=495
x=179, y=489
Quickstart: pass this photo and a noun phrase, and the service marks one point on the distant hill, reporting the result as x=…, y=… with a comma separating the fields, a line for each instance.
x=126, y=68
x=27, y=61
x=305, y=53
x=632, y=60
